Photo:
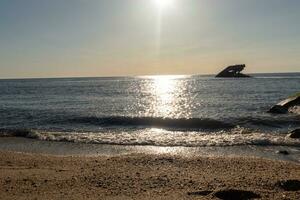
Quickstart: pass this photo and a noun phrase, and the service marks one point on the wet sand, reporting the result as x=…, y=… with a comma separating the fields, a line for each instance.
x=26, y=145
x=141, y=176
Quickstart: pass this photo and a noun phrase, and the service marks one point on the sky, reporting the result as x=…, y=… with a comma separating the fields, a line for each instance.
x=89, y=38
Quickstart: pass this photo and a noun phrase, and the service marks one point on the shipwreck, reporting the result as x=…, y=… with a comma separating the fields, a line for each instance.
x=233, y=71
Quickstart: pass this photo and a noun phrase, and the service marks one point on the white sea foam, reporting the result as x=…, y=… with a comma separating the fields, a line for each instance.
x=160, y=137
x=295, y=109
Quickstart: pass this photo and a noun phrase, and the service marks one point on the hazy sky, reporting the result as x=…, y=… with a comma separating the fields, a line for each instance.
x=50, y=38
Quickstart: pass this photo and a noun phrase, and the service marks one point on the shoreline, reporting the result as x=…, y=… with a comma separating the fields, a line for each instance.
x=34, y=146
x=136, y=176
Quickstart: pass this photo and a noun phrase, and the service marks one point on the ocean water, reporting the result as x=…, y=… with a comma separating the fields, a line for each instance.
x=189, y=111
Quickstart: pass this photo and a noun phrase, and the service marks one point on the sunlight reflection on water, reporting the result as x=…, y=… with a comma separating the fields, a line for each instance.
x=168, y=97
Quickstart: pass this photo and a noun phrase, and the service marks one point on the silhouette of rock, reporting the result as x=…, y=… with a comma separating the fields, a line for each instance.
x=295, y=134
x=19, y=133
x=283, y=106
x=233, y=71
x=289, y=185
x=236, y=195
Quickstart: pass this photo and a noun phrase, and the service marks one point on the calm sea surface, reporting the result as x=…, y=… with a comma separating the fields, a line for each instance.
x=159, y=110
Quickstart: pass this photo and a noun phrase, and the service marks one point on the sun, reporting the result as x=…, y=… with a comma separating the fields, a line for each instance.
x=163, y=4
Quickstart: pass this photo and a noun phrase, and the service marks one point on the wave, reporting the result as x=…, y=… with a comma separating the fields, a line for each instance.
x=158, y=122
x=160, y=137
x=295, y=110
x=183, y=124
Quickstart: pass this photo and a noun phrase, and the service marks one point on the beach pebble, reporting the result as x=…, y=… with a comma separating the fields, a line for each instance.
x=236, y=194
x=289, y=185
x=199, y=193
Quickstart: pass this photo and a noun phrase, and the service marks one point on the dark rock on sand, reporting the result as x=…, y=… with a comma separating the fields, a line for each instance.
x=200, y=193
x=295, y=134
x=233, y=71
x=18, y=133
x=289, y=185
x=284, y=106
x=283, y=152
x=236, y=195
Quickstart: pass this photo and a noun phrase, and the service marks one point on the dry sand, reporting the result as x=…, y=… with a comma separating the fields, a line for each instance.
x=31, y=176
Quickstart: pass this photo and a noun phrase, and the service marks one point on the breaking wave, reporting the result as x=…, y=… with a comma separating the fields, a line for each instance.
x=160, y=137
x=156, y=131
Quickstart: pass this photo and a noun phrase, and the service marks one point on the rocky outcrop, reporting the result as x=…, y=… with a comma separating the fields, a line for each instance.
x=278, y=109
x=284, y=106
x=233, y=71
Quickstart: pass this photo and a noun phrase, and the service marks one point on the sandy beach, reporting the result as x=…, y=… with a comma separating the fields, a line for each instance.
x=149, y=99
x=137, y=176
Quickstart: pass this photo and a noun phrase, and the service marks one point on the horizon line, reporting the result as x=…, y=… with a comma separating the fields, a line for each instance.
x=132, y=76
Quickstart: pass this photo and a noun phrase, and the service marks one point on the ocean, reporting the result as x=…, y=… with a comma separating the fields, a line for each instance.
x=163, y=111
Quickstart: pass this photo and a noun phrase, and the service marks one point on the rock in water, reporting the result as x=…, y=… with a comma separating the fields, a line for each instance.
x=278, y=109
x=284, y=152
x=295, y=134
x=292, y=101
x=233, y=71
x=284, y=106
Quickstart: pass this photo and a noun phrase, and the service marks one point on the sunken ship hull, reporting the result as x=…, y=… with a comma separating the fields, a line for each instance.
x=233, y=71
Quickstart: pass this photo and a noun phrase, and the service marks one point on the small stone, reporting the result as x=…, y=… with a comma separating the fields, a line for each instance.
x=283, y=152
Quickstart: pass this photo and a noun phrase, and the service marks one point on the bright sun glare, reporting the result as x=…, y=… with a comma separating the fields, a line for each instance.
x=162, y=4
